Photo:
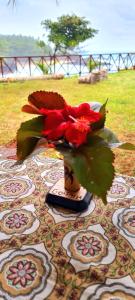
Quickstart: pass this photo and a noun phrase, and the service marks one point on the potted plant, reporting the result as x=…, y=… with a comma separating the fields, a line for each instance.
x=79, y=134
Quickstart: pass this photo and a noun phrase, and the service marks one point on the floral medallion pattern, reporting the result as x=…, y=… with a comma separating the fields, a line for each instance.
x=21, y=273
x=111, y=290
x=9, y=166
x=47, y=162
x=52, y=253
x=15, y=187
x=128, y=221
x=53, y=176
x=5, y=176
x=88, y=246
x=26, y=273
x=17, y=221
x=124, y=219
x=119, y=190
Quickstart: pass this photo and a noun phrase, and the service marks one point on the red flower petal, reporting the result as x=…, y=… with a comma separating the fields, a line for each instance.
x=82, y=110
x=47, y=112
x=54, y=125
x=31, y=270
x=13, y=269
x=92, y=252
x=23, y=281
x=77, y=133
x=53, y=120
x=12, y=276
x=20, y=265
x=81, y=247
x=81, y=243
x=30, y=109
x=56, y=133
x=16, y=280
x=91, y=239
x=96, y=243
x=50, y=100
x=9, y=222
x=85, y=251
x=16, y=216
x=85, y=239
x=23, y=222
x=29, y=277
x=17, y=225
x=93, y=116
x=27, y=265
x=96, y=247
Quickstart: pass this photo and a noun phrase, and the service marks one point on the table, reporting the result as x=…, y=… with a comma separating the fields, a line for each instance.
x=52, y=253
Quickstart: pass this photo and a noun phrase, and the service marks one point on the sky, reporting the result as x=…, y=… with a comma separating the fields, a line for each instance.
x=115, y=20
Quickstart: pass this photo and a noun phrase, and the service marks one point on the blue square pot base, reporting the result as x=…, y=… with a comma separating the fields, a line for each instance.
x=77, y=201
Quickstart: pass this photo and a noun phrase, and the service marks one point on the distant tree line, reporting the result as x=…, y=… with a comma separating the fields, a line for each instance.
x=18, y=45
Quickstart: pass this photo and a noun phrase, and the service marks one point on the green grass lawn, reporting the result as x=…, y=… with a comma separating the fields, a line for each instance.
x=119, y=88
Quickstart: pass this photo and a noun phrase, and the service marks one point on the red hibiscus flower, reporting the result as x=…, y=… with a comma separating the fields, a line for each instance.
x=61, y=120
x=72, y=123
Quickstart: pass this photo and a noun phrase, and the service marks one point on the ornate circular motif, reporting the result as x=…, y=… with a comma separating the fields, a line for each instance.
x=5, y=176
x=47, y=162
x=21, y=273
x=113, y=291
x=117, y=295
x=8, y=165
x=24, y=273
x=126, y=221
x=118, y=190
x=17, y=221
x=88, y=246
x=130, y=181
x=54, y=175
x=14, y=188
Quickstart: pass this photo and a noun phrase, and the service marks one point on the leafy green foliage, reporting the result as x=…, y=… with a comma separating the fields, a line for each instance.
x=92, y=164
x=124, y=146
x=68, y=31
x=101, y=122
x=44, y=68
x=107, y=135
x=43, y=46
x=92, y=64
x=28, y=136
x=18, y=45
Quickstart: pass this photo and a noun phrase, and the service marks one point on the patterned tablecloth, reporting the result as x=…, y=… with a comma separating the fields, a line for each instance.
x=52, y=253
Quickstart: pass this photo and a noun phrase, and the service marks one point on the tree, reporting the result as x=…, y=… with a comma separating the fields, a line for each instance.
x=46, y=49
x=68, y=32
x=18, y=45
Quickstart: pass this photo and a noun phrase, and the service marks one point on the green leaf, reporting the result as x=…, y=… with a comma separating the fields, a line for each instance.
x=93, y=166
x=124, y=146
x=101, y=122
x=107, y=135
x=28, y=136
x=103, y=108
